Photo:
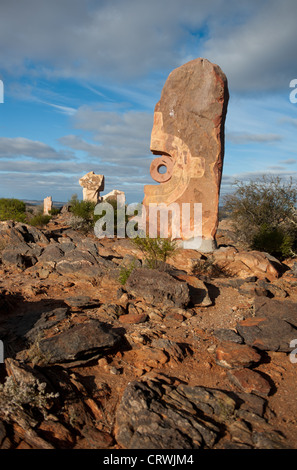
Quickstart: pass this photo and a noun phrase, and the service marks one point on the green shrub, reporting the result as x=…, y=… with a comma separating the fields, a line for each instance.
x=125, y=272
x=155, y=250
x=83, y=214
x=275, y=241
x=55, y=211
x=12, y=209
x=39, y=220
x=83, y=209
x=264, y=214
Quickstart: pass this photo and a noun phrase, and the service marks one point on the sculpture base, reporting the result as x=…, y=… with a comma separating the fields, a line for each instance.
x=204, y=245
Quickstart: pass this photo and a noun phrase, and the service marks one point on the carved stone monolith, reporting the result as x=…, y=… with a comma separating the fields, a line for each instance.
x=47, y=205
x=92, y=184
x=188, y=141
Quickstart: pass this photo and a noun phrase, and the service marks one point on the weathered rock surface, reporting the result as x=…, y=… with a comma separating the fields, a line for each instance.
x=225, y=334
x=272, y=308
x=79, y=342
x=248, y=263
x=113, y=195
x=268, y=334
x=233, y=355
x=92, y=185
x=157, y=287
x=47, y=205
x=155, y=414
x=250, y=381
x=98, y=339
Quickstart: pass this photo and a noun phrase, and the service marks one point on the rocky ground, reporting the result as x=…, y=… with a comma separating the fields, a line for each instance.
x=196, y=355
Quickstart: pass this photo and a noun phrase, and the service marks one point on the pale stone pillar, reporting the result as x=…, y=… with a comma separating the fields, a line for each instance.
x=47, y=205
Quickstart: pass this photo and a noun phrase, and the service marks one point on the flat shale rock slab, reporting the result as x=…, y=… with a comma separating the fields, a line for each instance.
x=78, y=342
x=158, y=287
x=267, y=334
x=273, y=308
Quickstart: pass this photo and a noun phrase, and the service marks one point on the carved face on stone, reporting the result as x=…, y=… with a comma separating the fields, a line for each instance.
x=187, y=139
x=92, y=185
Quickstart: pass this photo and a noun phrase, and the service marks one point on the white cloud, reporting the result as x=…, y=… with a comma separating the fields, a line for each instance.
x=245, y=138
x=20, y=146
x=120, y=138
x=289, y=161
x=254, y=42
x=258, y=53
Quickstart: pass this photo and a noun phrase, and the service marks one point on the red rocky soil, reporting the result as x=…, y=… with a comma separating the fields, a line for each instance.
x=196, y=355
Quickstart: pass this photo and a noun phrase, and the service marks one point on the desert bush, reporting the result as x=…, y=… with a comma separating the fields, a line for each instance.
x=15, y=396
x=39, y=220
x=83, y=214
x=83, y=209
x=208, y=268
x=274, y=240
x=55, y=211
x=125, y=272
x=156, y=250
x=264, y=214
x=12, y=209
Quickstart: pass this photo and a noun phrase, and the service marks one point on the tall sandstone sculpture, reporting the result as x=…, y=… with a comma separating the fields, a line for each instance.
x=47, y=205
x=92, y=184
x=188, y=139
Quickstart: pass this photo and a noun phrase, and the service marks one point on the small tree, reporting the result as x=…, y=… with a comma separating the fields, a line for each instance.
x=264, y=214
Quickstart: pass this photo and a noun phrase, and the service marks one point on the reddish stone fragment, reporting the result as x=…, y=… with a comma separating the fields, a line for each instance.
x=233, y=355
x=249, y=381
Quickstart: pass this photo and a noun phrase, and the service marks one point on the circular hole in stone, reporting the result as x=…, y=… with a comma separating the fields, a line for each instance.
x=162, y=169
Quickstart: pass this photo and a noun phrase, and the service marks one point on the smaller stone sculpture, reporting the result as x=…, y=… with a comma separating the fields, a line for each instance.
x=47, y=205
x=113, y=195
x=92, y=184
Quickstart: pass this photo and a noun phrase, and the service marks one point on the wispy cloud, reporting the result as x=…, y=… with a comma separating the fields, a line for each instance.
x=245, y=138
x=63, y=109
x=289, y=161
x=20, y=146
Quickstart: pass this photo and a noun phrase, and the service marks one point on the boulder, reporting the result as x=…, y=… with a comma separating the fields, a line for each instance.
x=248, y=263
x=79, y=342
x=249, y=381
x=267, y=334
x=157, y=287
x=274, y=308
x=233, y=355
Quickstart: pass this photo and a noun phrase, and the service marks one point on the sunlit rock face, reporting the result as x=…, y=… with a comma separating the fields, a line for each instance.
x=188, y=141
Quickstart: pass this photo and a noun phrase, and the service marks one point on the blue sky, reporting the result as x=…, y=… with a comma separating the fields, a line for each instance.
x=82, y=77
